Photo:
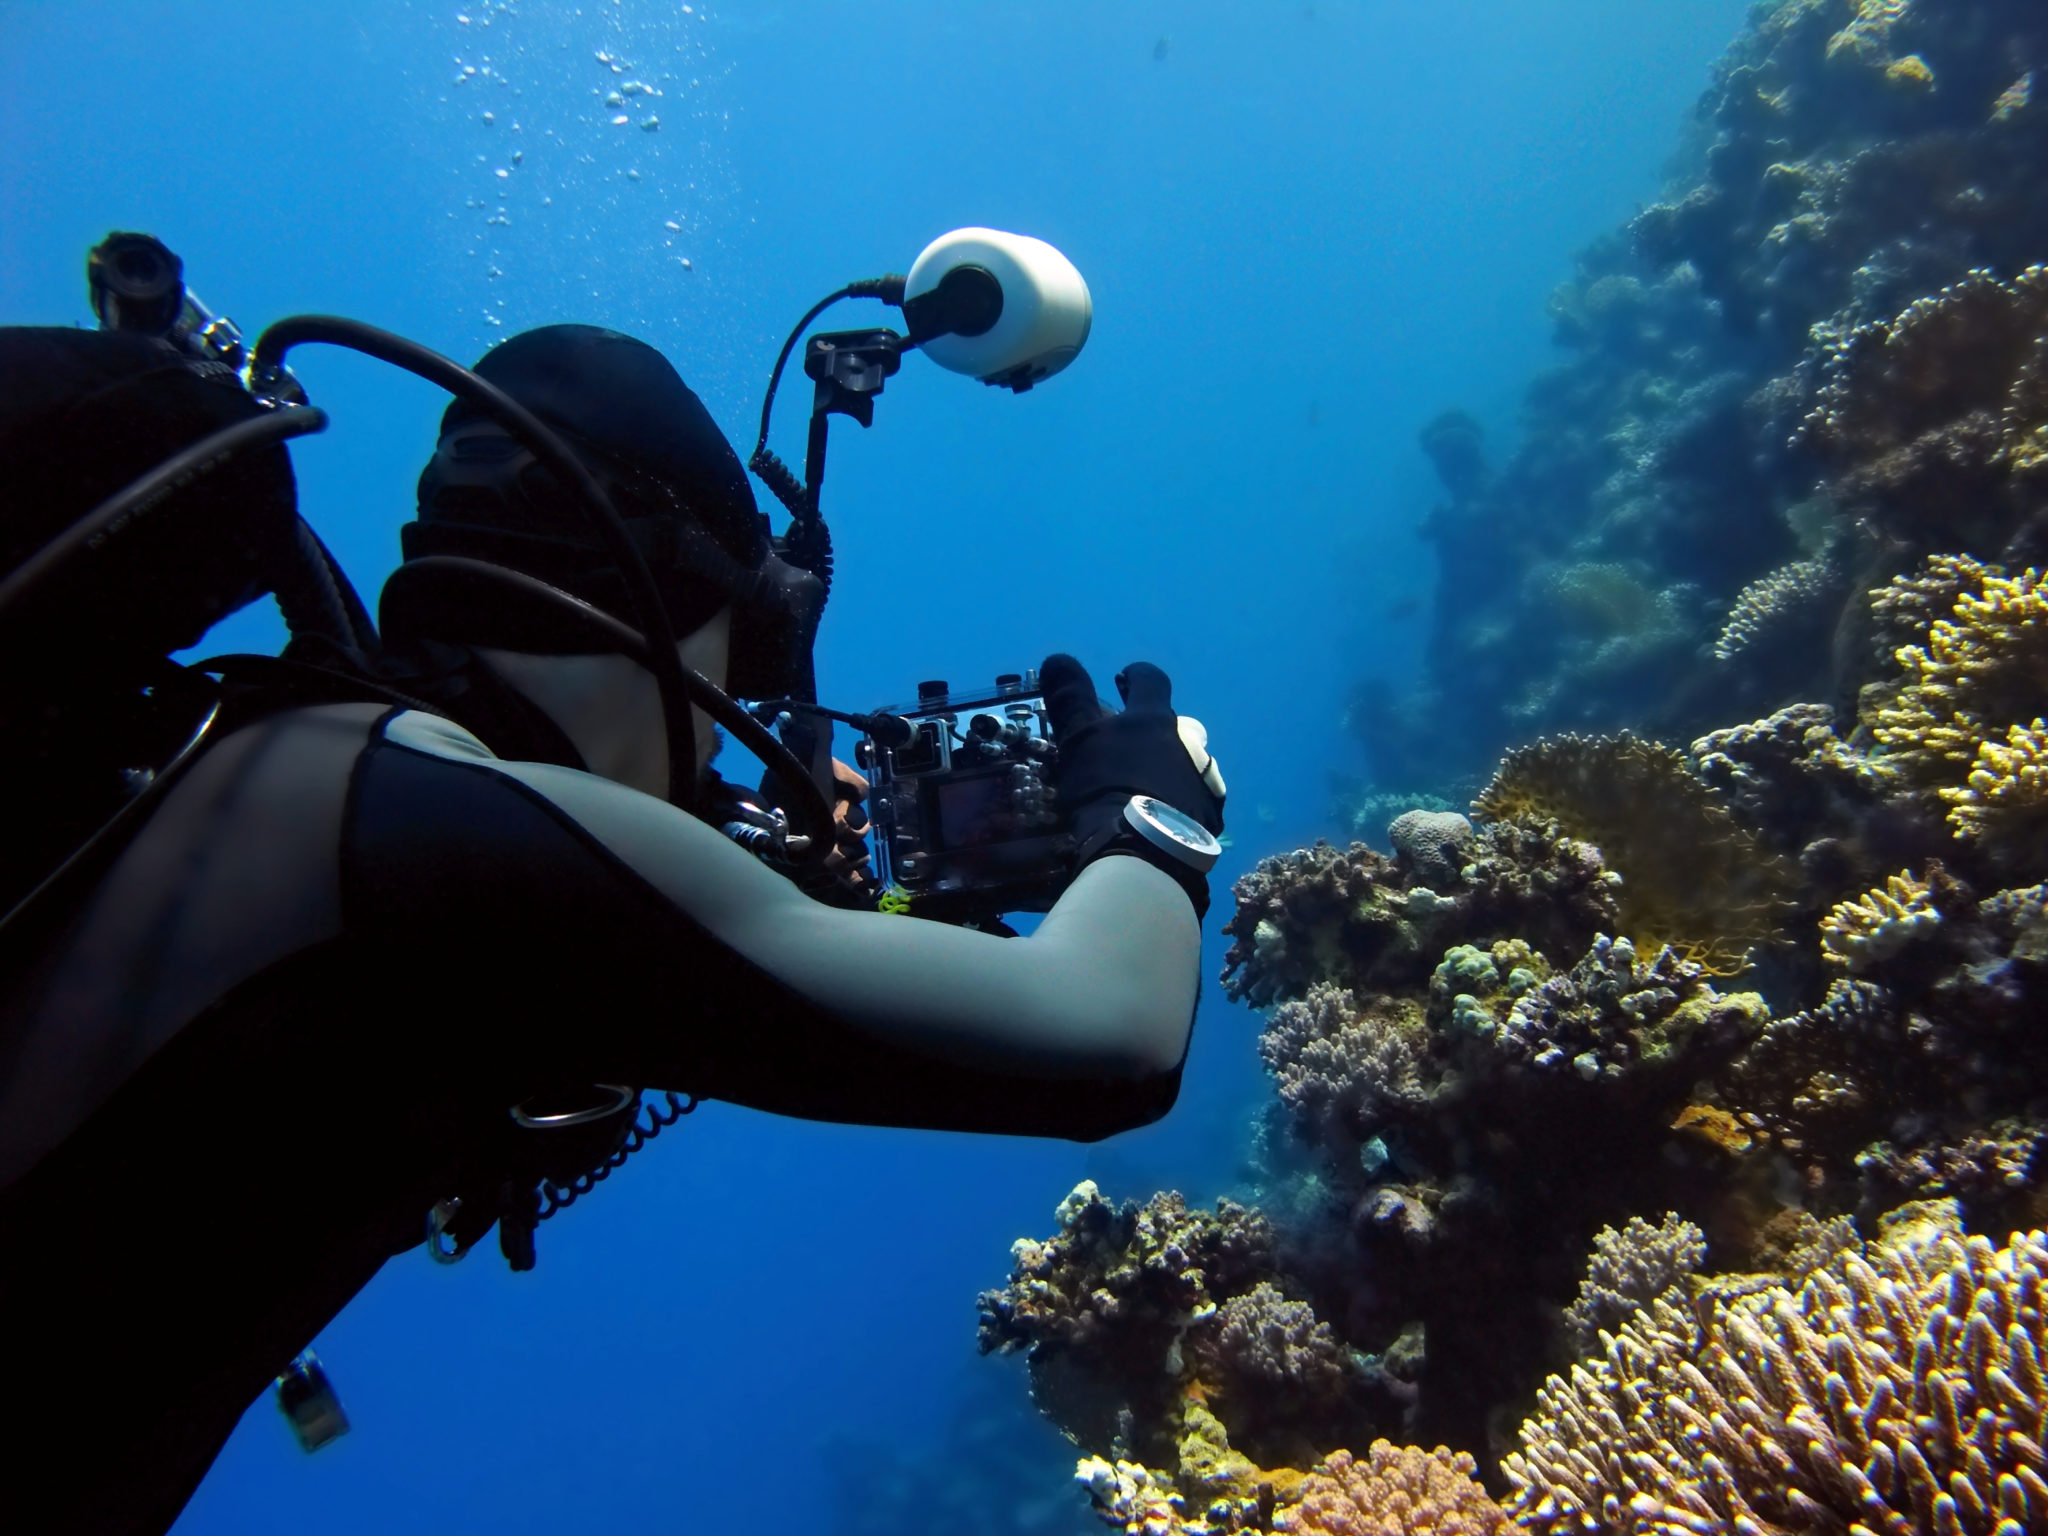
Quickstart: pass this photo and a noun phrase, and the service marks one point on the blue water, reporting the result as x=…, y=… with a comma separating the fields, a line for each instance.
x=1307, y=228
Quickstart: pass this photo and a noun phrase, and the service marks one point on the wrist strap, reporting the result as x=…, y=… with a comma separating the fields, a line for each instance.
x=1120, y=838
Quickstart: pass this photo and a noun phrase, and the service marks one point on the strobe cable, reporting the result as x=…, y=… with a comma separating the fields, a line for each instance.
x=267, y=361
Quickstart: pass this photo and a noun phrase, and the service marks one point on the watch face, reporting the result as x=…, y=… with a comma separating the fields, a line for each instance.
x=1173, y=832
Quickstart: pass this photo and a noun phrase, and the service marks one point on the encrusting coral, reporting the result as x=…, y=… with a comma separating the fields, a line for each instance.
x=1897, y=1391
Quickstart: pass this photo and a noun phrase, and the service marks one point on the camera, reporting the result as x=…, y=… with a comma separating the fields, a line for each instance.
x=966, y=824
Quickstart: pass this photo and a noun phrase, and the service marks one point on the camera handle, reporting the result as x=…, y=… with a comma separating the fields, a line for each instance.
x=849, y=369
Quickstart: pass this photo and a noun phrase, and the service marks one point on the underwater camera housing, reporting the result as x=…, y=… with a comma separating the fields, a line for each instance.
x=965, y=820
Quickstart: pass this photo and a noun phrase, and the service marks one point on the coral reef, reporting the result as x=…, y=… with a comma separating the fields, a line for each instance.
x=1693, y=877
x=1897, y=1390
x=1721, y=1012
x=1870, y=930
x=1103, y=1309
x=1630, y=1267
x=1394, y=1491
x=1811, y=361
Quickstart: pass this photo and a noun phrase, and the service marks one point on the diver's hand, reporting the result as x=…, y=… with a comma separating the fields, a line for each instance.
x=850, y=859
x=1106, y=756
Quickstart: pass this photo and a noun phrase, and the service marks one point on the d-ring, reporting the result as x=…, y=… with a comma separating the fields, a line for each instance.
x=622, y=1098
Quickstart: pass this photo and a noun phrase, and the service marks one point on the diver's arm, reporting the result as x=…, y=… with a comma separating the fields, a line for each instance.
x=1104, y=989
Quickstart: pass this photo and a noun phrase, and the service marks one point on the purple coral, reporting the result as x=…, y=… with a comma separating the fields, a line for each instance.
x=1342, y=1071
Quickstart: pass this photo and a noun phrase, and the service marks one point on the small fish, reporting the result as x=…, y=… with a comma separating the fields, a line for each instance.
x=621, y=120
x=1160, y=50
x=1402, y=609
x=688, y=265
x=652, y=125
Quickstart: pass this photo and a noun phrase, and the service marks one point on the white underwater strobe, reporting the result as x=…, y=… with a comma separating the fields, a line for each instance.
x=1040, y=323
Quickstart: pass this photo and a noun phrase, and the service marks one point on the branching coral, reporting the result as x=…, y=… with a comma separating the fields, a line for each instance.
x=1900, y=1391
x=1693, y=877
x=1867, y=932
x=1905, y=607
x=1977, y=674
x=1264, y=1345
x=1394, y=1491
x=1630, y=1267
x=1790, y=605
x=1340, y=1071
x=2006, y=794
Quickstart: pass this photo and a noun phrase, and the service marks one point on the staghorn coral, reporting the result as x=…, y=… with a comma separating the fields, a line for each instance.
x=1630, y=1267
x=1865, y=933
x=1693, y=877
x=1394, y=1491
x=1790, y=606
x=1896, y=1391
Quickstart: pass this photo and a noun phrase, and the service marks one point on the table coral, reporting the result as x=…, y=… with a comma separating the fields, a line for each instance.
x=1693, y=877
x=1897, y=1391
x=1868, y=931
x=1394, y=1491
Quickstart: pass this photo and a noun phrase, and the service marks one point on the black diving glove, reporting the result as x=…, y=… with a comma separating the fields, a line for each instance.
x=1106, y=757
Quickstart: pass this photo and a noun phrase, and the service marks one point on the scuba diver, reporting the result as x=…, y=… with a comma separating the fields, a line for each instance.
x=364, y=966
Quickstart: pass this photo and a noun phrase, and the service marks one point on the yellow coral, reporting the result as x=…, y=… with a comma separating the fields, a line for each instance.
x=1976, y=675
x=1692, y=877
x=2012, y=101
x=2008, y=787
x=1394, y=1491
x=1865, y=37
x=1899, y=1390
x=1910, y=73
x=1860, y=934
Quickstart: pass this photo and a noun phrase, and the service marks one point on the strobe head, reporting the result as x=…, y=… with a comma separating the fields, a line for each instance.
x=1002, y=308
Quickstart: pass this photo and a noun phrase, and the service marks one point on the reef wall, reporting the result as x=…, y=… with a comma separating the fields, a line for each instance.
x=1783, y=383
x=1656, y=1150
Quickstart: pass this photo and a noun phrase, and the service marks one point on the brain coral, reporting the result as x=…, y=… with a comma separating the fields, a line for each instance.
x=1897, y=1392
x=1692, y=876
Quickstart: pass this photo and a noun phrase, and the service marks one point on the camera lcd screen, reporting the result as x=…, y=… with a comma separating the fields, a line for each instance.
x=971, y=811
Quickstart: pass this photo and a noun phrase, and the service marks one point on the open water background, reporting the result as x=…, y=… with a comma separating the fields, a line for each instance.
x=1307, y=228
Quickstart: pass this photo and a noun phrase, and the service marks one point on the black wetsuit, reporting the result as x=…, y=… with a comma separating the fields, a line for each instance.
x=197, y=1187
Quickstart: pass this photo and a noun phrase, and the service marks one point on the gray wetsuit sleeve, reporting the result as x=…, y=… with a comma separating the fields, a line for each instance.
x=692, y=966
